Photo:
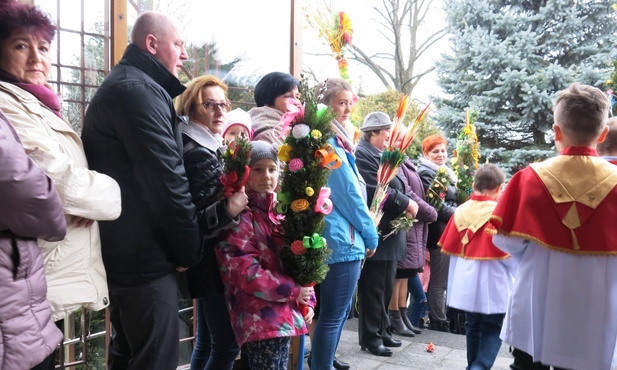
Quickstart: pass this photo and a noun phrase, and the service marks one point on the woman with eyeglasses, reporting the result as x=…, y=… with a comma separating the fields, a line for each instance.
x=271, y=95
x=203, y=107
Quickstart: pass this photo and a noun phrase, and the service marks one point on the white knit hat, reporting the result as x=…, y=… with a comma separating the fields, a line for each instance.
x=237, y=117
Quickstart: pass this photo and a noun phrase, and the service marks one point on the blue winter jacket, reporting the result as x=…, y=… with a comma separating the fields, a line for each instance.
x=349, y=227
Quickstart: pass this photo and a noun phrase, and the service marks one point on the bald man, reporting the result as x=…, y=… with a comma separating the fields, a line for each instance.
x=131, y=134
x=608, y=148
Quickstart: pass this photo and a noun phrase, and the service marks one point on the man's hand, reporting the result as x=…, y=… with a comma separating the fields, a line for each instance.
x=237, y=203
x=412, y=209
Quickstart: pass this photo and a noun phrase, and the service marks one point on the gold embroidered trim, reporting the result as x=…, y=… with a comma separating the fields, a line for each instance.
x=583, y=179
x=473, y=214
x=461, y=255
x=552, y=247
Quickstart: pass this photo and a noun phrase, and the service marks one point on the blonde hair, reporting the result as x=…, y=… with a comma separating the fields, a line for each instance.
x=333, y=86
x=190, y=101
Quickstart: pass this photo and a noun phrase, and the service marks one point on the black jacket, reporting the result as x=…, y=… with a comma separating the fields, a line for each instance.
x=394, y=247
x=204, y=167
x=131, y=134
x=447, y=209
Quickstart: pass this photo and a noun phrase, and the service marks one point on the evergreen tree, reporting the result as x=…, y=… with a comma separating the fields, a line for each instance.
x=510, y=57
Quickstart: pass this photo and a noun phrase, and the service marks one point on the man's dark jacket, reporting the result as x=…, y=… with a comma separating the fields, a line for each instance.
x=131, y=134
x=392, y=248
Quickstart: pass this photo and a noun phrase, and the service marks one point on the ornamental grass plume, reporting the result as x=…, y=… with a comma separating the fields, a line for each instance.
x=391, y=158
x=303, y=197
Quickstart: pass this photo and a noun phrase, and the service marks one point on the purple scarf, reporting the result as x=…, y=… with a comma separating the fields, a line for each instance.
x=43, y=93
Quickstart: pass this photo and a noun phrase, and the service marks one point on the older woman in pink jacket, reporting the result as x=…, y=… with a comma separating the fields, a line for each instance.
x=31, y=209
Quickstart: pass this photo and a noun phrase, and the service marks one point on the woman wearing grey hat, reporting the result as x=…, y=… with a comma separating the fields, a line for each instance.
x=376, y=282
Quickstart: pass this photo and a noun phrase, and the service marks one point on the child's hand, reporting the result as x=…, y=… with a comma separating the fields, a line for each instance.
x=305, y=294
x=309, y=316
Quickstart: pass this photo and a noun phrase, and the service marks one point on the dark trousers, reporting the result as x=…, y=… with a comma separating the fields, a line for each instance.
x=438, y=282
x=145, y=324
x=524, y=361
x=215, y=347
x=374, y=292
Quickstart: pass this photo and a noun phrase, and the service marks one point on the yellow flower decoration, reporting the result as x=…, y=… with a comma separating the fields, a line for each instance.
x=284, y=153
x=309, y=191
x=316, y=134
x=299, y=205
x=609, y=82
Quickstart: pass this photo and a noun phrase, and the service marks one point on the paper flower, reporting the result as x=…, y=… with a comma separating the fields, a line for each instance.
x=295, y=164
x=284, y=153
x=300, y=130
x=297, y=247
x=299, y=205
x=309, y=191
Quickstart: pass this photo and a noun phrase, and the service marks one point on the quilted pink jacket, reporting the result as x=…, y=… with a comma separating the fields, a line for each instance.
x=260, y=297
x=30, y=208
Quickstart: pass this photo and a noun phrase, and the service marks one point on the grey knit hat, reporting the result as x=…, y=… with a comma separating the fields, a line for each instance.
x=376, y=121
x=260, y=150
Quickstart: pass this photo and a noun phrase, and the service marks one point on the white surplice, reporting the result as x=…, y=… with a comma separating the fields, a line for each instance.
x=563, y=310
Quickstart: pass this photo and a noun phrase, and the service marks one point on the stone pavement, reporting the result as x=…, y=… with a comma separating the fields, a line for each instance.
x=450, y=352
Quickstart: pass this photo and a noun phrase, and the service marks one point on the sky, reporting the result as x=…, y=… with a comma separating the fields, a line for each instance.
x=258, y=32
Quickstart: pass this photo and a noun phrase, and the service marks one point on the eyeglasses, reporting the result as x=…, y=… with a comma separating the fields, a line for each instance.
x=211, y=106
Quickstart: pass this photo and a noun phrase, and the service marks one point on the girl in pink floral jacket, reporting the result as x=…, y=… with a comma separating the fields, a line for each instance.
x=261, y=298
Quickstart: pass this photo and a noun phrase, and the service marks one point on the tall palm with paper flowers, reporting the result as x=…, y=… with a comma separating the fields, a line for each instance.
x=392, y=156
x=303, y=197
x=466, y=158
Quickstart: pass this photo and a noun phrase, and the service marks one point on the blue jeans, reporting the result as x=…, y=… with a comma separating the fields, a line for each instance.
x=215, y=344
x=418, y=306
x=335, y=300
x=483, y=341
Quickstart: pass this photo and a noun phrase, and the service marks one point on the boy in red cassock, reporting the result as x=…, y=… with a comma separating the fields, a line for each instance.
x=480, y=277
x=558, y=217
